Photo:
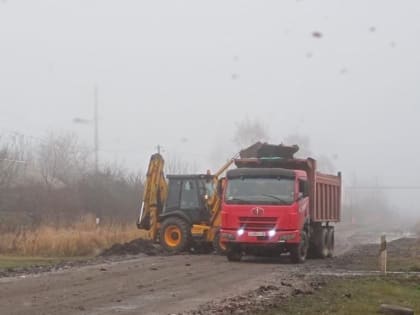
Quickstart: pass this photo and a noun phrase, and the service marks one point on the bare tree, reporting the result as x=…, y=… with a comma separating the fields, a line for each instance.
x=12, y=159
x=249, y=131
x=325, y=163
x=62, y=159
x=304, y=143
x=176, y=165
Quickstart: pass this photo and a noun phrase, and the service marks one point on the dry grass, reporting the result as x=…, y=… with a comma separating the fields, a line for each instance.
x=81, y=239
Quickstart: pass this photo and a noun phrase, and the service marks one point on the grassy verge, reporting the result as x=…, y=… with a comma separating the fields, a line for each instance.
x=403, y=255
x=408, y=259
x=356, y=296
x=81, y=239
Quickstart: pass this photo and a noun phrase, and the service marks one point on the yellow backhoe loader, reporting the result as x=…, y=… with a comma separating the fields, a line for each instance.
x=183, y=212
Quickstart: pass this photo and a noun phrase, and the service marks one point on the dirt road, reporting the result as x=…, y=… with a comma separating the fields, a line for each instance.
x=147, y=285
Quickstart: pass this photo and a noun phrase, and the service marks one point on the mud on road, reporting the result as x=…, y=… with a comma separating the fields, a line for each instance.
x=183, y=284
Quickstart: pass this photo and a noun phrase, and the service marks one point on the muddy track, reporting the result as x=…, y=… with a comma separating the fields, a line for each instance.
x=159, y=285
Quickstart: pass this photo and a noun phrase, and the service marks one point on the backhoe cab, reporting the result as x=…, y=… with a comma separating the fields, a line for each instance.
x=183, y=212
x=186, y=206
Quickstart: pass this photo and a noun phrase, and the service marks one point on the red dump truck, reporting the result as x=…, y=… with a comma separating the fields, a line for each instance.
x=274, y=203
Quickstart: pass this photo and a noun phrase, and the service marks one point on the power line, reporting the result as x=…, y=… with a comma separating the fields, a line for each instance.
x=14, y=161
x=383, y=187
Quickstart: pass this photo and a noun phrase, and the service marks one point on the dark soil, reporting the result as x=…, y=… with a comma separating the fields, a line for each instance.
x=135, y=247
x=259, y=300
x=116, y=252
x=35, y=269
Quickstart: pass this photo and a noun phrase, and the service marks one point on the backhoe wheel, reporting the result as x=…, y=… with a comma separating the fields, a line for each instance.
x=218, y=246
x=175, y=235
x=330, y=242
x=298, y=252
x=234, y=254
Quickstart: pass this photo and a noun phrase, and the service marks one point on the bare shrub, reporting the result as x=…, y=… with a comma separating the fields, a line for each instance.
x=176, y=165
x=324, y=162
x=13, y=159
x=113, y=194
x=417, y=228
x=62, y=159
x=250, y=131
x=59, y=185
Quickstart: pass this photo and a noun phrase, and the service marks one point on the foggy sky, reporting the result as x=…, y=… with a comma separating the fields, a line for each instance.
x=181, y=73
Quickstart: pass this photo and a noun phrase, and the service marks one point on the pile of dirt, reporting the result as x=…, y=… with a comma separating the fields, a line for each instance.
x=266, y=297
x=135, y=247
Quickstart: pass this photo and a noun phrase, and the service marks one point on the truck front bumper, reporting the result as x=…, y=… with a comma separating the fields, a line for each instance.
x=260, y=237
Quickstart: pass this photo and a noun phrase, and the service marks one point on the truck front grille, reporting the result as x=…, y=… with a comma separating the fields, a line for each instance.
x=257, y=223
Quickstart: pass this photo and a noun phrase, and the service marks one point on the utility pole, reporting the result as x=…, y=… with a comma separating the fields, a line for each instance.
x=96, y=129
x=96, y=145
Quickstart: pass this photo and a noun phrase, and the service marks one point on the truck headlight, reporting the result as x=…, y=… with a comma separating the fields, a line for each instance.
x=271, y=233
x=241, y=232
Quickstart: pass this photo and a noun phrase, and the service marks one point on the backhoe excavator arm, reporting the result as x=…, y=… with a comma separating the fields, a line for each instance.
x=154, y=196
x=214, y=203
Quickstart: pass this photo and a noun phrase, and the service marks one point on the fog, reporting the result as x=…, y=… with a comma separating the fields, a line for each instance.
x=182, y=74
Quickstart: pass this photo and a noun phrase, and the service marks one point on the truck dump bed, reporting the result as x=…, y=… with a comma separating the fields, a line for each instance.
x=327, y=203
x=324, y=190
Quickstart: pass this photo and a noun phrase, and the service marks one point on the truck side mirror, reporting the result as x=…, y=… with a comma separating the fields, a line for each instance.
x=306, y=189
x=303, y=188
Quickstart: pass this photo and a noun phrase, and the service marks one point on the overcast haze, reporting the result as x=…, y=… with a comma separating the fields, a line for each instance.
x=181, y=73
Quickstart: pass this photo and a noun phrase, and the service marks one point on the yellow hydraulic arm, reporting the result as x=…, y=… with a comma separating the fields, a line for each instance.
x=214, y=204
x=154, y=196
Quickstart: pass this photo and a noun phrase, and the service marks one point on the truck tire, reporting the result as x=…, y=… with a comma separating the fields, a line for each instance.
x=234, y=254
x=298, y=252
x=175, y=235
x=322, y=244
x=218, y=246
x=331, y=242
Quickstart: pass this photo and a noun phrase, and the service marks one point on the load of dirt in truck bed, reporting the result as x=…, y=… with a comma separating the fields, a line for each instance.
x=135, y=247
x=265, y=150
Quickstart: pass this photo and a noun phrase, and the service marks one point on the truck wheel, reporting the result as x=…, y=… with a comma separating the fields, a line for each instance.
x=298, y=252
x=322, y=244
x=174, y=235
x=218, y=246
x=331, y=242
x=234, y=254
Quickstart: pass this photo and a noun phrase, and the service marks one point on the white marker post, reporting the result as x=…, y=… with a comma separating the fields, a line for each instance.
x=383, y=255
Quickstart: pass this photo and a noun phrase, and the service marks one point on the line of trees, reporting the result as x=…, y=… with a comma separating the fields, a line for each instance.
x=54, y=180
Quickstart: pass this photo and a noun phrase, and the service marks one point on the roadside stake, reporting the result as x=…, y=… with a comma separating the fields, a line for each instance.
x=383, y=255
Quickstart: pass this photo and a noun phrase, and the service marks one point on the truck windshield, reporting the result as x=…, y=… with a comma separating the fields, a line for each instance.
x=260, y=191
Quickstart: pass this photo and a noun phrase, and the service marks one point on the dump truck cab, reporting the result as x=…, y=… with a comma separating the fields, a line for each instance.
x=264, y=206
